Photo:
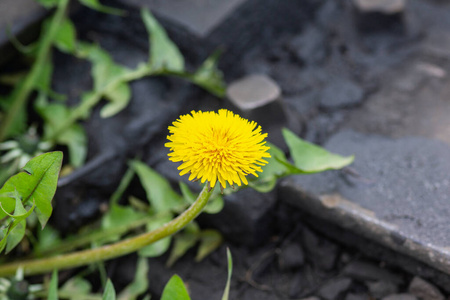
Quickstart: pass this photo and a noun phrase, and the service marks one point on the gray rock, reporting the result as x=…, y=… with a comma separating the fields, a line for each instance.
x=382, y=288
x=291, y=257
x=395, y=193
x=253, y=91
x=246, y=218
x=334, y=288
x=353, y=296
x=424, y=290
x=322, y=252
x=365, y=271
x=341, y=93
x=402, y=296
x=309, y=47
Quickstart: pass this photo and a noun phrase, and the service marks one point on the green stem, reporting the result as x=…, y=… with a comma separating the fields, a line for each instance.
x=89, y=256
x=22, y=92
x=94, y=97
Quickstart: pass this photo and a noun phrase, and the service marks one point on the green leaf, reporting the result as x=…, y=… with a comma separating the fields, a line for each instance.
x=159, y=192
x=15, y=235
x=116, y=217
x=118, y=97
x=109, y=79
x=164, y=54
x=110, y=292
x=73, y=137
x=309, y=158
x=183, y=241
x=95, y=4
x=47, y=238
x=209, y=77
x=65, y=38
x=16, y=229
x=230, y=271
x=53, y=288
x=76, y=286
x=139, y=284
x=175, y=289
x=267, y=179
x=210, y=240
x=36, y=183
x=160, y=247
x=215, y=203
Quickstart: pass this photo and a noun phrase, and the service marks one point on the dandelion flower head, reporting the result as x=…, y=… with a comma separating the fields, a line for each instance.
x=218, y=146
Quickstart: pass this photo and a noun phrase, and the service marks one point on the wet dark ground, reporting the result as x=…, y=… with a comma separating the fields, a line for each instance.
x=352, y=88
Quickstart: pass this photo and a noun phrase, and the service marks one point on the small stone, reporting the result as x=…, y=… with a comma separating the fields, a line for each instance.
x=322, y=252
x=403, y=296
x=341, y=93
x=291, y=257
x=309, y=47
x=382, y=6
x=253, y=91
x=424, y=290
x=334, y=288
x=352, y=296
x=380, y=289
x=365, y=271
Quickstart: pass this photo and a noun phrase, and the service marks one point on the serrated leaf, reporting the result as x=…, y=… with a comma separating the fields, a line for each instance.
x=96, y=5
x=110, y=292
x=209, y=77
x=74, y=137
x=210, y=240
x=309, y=158
x=53, y=287
x=160, y=247
x=226, y=292
x=175, y=289
x=119, y=98
x=139, y=284
x=160, y=194
x=36, y=183
x=183, y=241
x=65, y=38
x=164, y=54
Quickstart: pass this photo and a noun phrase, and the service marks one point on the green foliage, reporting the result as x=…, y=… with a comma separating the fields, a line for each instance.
x=53, y=287
x=34, y=187
x=164, y=54
x=110, y=292
x=175, y=289
x=310, y=158
x=230, y=271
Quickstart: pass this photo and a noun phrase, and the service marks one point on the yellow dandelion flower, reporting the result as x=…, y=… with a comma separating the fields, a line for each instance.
x=217, y=147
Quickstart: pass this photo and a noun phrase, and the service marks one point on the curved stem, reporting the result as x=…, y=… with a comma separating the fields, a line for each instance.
x=23, y=91
x=85, y=257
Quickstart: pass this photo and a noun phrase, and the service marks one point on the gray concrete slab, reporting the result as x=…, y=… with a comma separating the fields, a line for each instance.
x=198, y=16
x=399, y=197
